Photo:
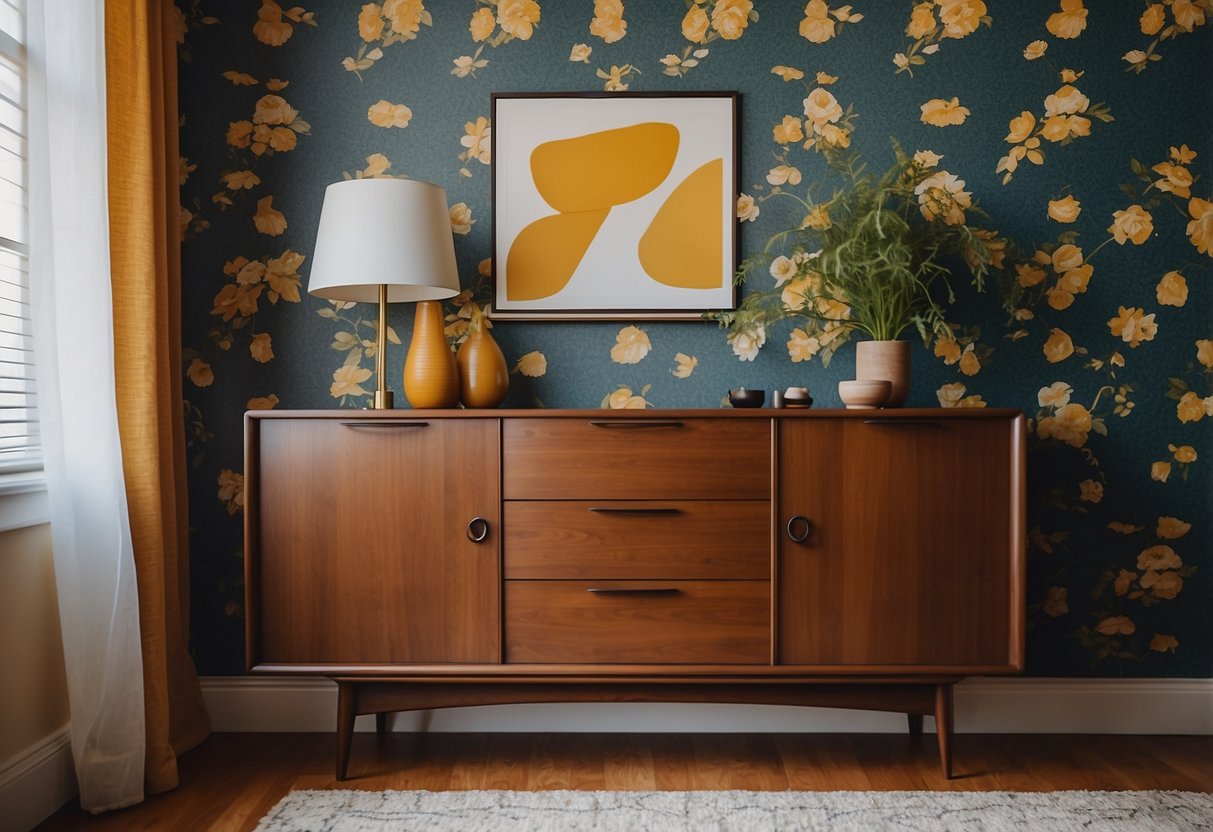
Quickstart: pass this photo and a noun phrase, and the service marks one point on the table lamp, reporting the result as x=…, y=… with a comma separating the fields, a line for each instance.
x=389, y=241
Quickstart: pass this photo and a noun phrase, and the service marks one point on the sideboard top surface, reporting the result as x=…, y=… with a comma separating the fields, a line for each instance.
x=901, y=413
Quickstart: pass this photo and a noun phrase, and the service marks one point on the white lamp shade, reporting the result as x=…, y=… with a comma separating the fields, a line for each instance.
x=393, y=232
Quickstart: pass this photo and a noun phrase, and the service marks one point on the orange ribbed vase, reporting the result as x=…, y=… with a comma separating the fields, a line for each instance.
x=484, y=378
x=430, y=376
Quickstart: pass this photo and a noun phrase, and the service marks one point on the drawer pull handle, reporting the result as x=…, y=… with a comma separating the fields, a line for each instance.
x=799, y=528
x=633, y=509
x=897, y=423
x=384, y=423
x=478, y=529
x=635, y=424
x=635, y=590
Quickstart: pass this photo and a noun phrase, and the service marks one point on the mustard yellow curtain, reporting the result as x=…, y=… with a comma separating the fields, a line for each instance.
x=144, y=204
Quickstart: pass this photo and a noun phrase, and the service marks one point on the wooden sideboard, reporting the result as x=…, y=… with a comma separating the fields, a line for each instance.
x=426, y=559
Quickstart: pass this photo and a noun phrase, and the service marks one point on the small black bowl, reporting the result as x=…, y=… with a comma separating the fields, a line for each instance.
x=741, y=397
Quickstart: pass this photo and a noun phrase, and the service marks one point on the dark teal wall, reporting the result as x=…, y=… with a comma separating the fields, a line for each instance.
x=1099, y=502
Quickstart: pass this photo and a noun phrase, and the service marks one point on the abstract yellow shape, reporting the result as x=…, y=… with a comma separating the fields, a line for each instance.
x=607, y=168
x=545, y=254
x=683, y=245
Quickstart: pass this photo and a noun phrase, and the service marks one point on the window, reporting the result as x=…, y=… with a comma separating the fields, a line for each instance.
x=19, y=438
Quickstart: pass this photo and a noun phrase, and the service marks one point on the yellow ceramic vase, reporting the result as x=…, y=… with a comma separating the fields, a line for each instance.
x=483, y=376
x=430, y=376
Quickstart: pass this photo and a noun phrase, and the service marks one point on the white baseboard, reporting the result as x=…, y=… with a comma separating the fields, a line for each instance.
x=35, y=783
x=983, y=706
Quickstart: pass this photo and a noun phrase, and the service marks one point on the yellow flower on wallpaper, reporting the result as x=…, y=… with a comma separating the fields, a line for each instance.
x=953, y=395
x=240, y=79
x=1035, y=49
x=200, y=373
x=747, y=208
x=272, y=29
x=608, y=22
x=821, y=107
x=461, y=218
x=787, y=73
x=477, y=140
x=1190, y=408
x=517, y=18
x=747, y=344
x=695, y=24
x=261, y=348
x=240, y=180
x=1090, y=491
x=384, y=113
x=1066, y=257
x=730, y=17
x=262, y=402
x=1171, y=528
x=1183, y=453
x=580, y=53
x=802, y=346
x=1069, y=22
x=783, y=174
x=1200, y=229
x=231, y=490
x=1159, y=471
x=1070, y=423
x=947, y=349
x=783, y=269
x=1056, y=394
x=788, y=131
x=466, y=65
x=1188, y=14
x=1058, y=347
x=1162, y=643
x=1152, y=19
x=943, y=113
x=533, y=365
x=268, y=219
x=1055, y=603
x=1116, y=625
x=406, y=17
x=1172, y=289
x=631, y=346
x=1067, y=116
x=1065, y=210
x=817, y=25
x=1133, y=326
x=1124, y=580
x=273, y=109
x=1162, y=584
x=347, y=381
x=1133, y=223
x=961, y=17
x=282, y=273
x=482, y=24
x=818, y=218
x=1176, y=179
x=1204, y=352
x=624, y=399
x=943, y=195
x=615, y=77
x=684, y=365
x=922, y=20
x=969, y=363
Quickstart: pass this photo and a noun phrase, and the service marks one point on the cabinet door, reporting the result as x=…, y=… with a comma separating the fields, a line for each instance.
x=360, y=539
x=912, y=557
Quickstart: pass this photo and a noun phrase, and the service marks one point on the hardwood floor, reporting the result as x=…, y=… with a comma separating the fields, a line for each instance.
x=229, y=782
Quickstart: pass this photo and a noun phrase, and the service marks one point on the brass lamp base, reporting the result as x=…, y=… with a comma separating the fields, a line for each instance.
x=383, y=400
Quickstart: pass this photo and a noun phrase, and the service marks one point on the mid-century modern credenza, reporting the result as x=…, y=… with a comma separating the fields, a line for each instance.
x=426, y=559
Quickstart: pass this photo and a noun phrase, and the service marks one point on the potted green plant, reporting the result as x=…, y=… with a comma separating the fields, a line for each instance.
x=873, y=259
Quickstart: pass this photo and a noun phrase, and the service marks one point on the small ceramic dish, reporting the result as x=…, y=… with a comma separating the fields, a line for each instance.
x=797, y=397
x=864, y=392
x=741, y=397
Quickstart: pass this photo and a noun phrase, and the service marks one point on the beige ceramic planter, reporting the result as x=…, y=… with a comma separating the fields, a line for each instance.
x=888, y=360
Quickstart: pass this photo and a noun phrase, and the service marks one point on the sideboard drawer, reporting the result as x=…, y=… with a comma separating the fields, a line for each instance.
x=672, y=539
x=609, y=457
x=641, y=622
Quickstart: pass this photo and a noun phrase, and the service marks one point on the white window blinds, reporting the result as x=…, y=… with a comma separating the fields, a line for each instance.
x=19, y=445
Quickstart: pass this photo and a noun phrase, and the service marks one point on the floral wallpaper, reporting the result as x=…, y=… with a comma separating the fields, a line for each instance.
x=1084, y=130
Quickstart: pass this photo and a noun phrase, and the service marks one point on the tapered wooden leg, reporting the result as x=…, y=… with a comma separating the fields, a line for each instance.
x=943, y=727
x=381, y=723
x=915, y=721
x=345, y=725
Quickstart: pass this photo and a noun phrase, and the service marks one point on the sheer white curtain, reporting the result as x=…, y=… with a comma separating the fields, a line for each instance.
x=73, y=342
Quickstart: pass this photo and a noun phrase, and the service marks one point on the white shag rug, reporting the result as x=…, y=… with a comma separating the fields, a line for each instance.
x=739, y=811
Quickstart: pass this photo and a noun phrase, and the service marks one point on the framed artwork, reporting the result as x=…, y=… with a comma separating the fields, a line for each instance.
x=613, y=205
